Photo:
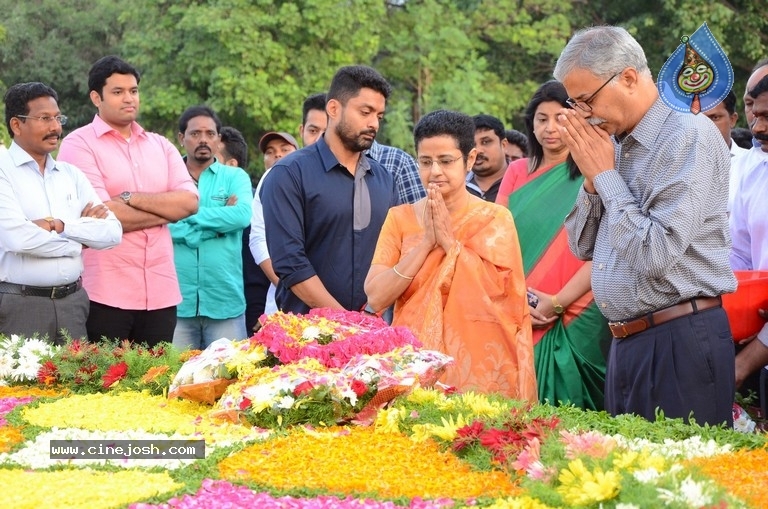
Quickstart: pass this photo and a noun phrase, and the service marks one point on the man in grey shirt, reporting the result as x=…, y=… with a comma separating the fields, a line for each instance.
x=652, y=218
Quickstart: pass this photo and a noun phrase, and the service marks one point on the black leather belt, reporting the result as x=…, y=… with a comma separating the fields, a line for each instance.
x=52, y=292
x=621, y=330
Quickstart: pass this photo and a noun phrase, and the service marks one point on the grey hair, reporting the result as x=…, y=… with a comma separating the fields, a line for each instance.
x=602, y=50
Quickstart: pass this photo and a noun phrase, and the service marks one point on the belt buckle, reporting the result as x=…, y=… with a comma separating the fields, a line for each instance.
x=623, y=325
x=58, y=292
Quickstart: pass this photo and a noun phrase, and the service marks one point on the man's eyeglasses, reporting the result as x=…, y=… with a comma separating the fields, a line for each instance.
x=61, y=119
x=443, y=162
x=585, y=104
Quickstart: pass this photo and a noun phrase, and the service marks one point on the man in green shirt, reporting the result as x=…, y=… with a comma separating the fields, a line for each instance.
x=207, y=245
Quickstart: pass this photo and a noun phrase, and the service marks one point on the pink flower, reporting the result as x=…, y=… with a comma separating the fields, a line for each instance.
x=589, y=443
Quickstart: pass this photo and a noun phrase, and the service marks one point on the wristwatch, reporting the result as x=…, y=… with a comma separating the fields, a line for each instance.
x=51, y=223
x=126, y=197
x=559, y=309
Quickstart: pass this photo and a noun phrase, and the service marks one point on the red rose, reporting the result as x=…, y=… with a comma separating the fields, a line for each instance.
x=114, y=374
x=303, y=388
x=245, y=403
x=359, y=387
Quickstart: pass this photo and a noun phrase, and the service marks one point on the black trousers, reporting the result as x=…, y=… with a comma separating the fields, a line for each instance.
x=140, y=326
x=684, y=367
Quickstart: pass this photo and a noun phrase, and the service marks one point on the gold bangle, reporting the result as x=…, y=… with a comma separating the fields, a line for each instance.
x=409, y=278
x=556, y=307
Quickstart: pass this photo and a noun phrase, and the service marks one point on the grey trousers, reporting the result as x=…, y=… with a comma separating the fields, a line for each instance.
x=30, y=316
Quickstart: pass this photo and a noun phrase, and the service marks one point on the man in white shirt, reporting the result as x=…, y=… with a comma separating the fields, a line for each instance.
x=724, y=116
x=49, y=213
x=741, y=164
x=274, y=146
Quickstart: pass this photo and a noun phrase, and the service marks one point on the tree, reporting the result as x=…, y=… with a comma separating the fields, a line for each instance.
x=56, y=42
x=254, y=62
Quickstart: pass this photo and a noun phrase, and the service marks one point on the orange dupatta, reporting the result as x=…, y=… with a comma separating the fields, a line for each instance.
x=469, y=303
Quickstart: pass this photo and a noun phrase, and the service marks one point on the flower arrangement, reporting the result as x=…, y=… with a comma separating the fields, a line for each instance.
x=560, y=465
x=306, y=392
x=302, y=392
x=427, y=449
x=331, y=336
x=21, y=359
x=86, y=367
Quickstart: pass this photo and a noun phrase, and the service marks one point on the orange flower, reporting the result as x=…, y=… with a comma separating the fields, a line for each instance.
x=9, y=436
x=21, y=391
x=153, y=373
x=742, y=473
x=188, y=354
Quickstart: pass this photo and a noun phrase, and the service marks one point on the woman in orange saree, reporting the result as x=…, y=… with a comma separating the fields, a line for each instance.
x=451, y=264
x=569, y=332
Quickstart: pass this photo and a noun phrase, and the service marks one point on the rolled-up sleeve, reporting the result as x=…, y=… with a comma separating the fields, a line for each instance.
x=284, y=212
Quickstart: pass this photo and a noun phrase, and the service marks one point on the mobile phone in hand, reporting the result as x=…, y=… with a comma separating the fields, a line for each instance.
x=533, y=299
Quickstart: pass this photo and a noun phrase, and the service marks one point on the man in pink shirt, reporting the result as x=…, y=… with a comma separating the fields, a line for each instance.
x=142, y=178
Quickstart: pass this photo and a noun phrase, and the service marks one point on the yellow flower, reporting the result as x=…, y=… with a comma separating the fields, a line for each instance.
x=358, y=460
x=82, y=488
x=118, y=412
x=524, y=502
x=480, y=405
x=634, y=460
x=388, y=420
x=579, y=486
x=447, y=431
x=422, y=396
x=421, y=432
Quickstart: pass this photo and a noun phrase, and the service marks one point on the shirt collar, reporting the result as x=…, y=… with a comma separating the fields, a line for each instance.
x=650, y=126
x=101, y=128
x=214, y=166
x=21, y=157
x=329, y=160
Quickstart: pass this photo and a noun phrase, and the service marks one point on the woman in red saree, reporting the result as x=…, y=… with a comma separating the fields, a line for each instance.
x=569, y=332
x=451, y=265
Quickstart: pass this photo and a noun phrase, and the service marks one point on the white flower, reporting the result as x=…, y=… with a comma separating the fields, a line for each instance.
x=350, y=395
x=285, y=402
x=27, y=369
x=692, y=494
x=11, y=344
x=37, y=453
x=6, y=365
x=310, y=333
x=35, y=347
x=647, y=475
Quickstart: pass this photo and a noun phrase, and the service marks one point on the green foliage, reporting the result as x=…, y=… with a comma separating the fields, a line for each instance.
x=254, y=61
x=56, y=42
x=85, y=367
